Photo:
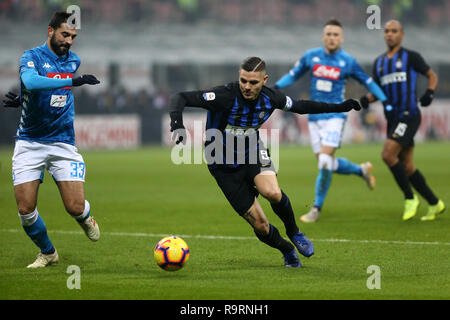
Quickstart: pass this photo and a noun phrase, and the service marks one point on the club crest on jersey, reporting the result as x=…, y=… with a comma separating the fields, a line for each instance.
x=399, y=64
x=209, y=96
x=288, y=104
x=327, y=72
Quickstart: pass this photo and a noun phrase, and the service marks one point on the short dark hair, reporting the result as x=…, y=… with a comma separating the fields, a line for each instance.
x=58, y=18
x=253, y=64
x=333, y=22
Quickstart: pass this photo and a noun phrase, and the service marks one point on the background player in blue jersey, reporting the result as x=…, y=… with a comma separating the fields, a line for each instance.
x=236, y=111
x=328, y=68
x=45, y=136
x=396, y=72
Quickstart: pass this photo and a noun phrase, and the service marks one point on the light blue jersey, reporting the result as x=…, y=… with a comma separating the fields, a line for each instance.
x=46, y=96
x=329, y=73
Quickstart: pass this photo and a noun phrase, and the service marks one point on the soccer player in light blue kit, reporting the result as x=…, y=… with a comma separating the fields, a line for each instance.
x=45, y=136
x=329, y=67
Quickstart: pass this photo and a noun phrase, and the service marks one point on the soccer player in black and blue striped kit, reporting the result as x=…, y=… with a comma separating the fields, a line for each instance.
x=396, y=72
x=236, y=111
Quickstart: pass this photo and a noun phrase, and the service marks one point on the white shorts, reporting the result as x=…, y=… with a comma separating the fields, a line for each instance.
x=327, y=132
x=61, y=160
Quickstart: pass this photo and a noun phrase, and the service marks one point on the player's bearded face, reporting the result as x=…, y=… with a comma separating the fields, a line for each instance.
x=251, y=83
x=61, y=39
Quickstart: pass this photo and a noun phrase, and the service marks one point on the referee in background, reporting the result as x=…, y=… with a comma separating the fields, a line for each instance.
x=396, y=72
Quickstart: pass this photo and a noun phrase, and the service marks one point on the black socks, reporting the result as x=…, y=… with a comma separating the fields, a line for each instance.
x=402, y=180
x=274, y=240
x=284, y=211
x=419, y=183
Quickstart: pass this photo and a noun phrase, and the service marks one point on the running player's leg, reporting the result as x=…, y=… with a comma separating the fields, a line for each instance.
x=419, y=183
x=326, y=136
x=267, y=185
x=72, y=194
x=68, y=170
x=28, y=165
x=363, y=170
x=26, y=198
x=269, y=234
x=333, y=138
x=390, y=155
x=240, y=193
x=323, y=179
x=415, y=176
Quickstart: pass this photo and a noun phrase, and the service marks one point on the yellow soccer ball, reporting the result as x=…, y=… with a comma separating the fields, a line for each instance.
x=171, y=253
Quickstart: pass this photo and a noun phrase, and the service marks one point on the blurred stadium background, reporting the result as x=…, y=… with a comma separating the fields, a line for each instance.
x=143, y=51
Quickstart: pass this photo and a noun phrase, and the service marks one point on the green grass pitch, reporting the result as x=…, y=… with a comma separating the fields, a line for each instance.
x=139, y=196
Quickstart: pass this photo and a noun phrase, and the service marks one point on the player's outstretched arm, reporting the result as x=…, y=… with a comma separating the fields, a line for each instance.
x=13, y=100
x=33, y=81
x=311, y=107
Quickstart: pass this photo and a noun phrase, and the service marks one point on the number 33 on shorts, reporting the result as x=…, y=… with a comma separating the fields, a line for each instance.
x=77, y=170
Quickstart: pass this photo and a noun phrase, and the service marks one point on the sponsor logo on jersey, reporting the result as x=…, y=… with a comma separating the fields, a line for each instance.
x=59, y=75
x=327, y=72
x=393, y=78
x=58, y=101
x=46, y=65
x=209, y=96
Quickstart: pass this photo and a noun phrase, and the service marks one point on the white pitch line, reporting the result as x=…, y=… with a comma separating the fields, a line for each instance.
x=187, y=236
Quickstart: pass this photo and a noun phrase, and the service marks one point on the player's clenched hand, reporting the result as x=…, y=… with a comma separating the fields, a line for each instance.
x=13, y=100
x=177, y=127
x=350, y=104
x=427, y=98
x=85, y=79
x=364, y=102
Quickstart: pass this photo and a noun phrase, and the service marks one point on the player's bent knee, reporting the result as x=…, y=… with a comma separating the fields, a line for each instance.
x=273, y=195
x=410, y=169
x=75, y=207
x=26, y=208
x=388, y=158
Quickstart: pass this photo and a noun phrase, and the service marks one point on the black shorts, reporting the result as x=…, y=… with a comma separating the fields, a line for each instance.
x=238, y=185
x=404, y=130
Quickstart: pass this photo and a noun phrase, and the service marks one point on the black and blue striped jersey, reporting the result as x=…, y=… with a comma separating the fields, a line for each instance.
x=397, y=76
x=236, y=121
